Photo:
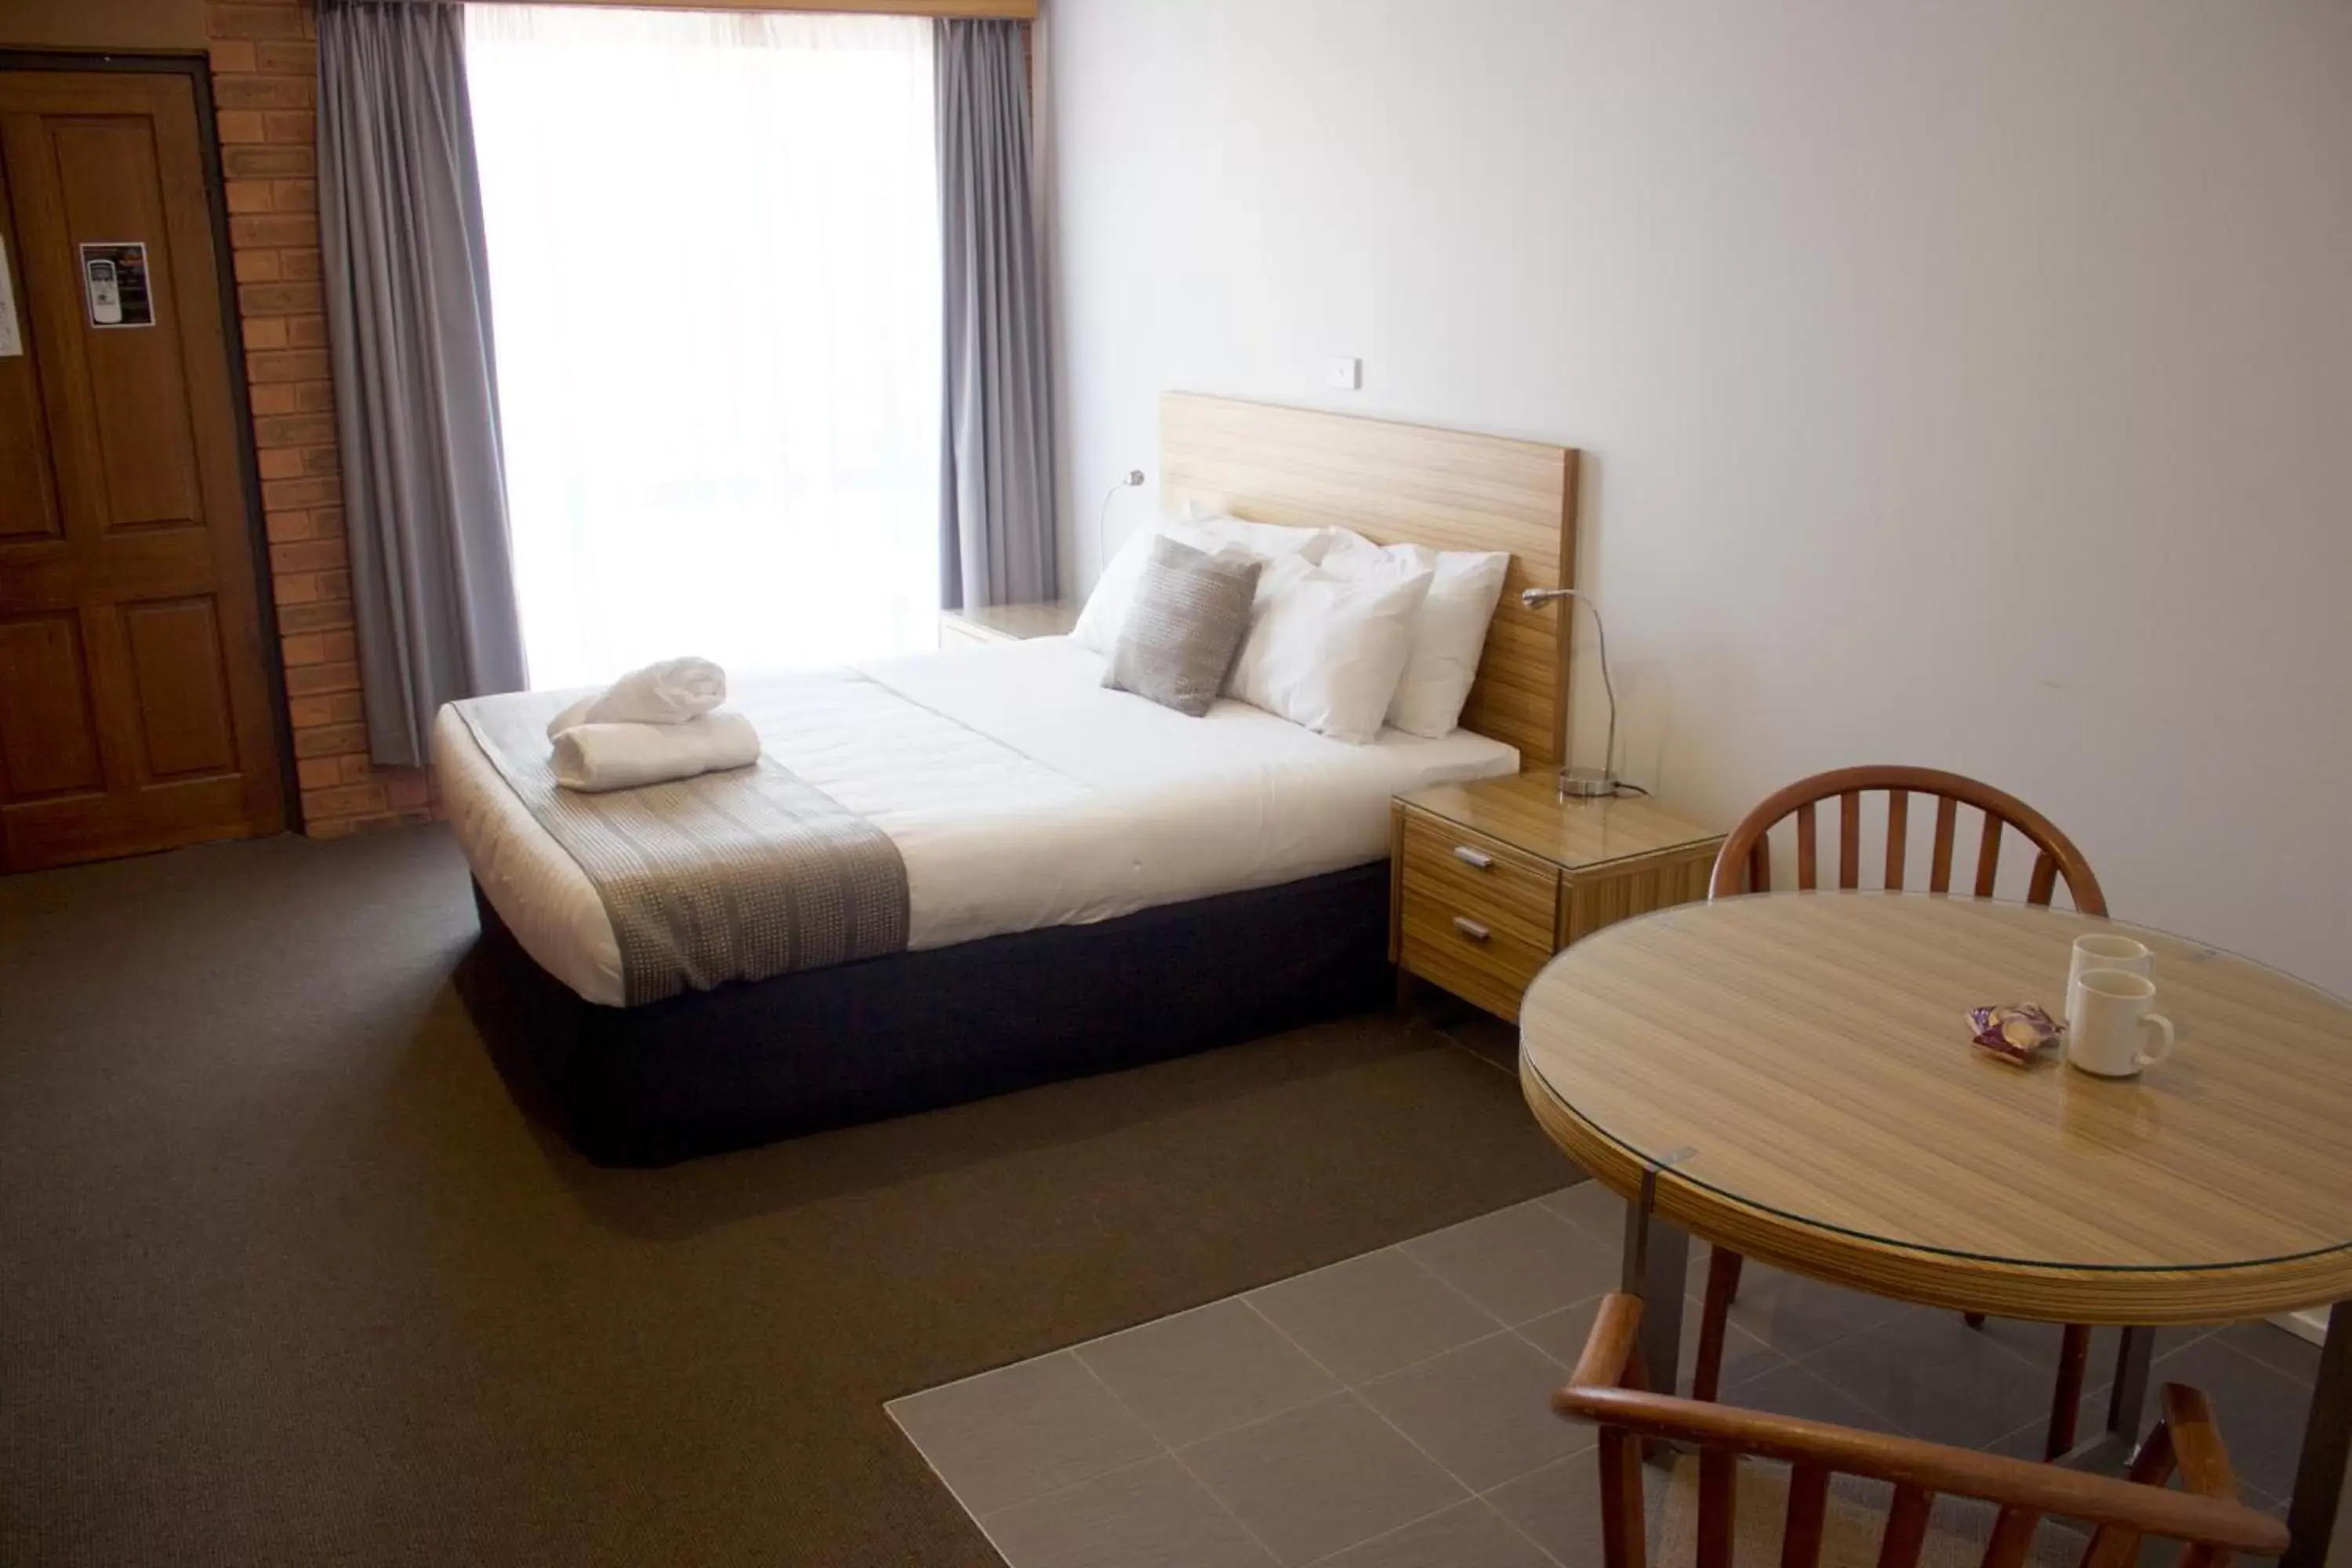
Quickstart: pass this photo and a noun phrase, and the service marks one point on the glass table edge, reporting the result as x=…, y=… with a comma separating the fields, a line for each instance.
x=1669, y=1171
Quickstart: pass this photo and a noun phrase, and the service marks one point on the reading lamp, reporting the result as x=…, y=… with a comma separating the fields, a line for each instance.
x=1582, y=783
x=1130, y=480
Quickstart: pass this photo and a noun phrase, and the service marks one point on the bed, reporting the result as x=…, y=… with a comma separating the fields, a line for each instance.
x=1093, y=881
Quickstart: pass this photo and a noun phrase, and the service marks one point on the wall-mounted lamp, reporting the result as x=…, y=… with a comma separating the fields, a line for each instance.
x=1131, y=479
x=1582, y=783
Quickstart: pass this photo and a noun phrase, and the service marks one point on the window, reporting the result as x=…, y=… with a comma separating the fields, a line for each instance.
x=715, y=275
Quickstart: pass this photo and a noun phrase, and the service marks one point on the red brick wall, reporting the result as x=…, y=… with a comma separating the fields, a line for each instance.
x=265, y=64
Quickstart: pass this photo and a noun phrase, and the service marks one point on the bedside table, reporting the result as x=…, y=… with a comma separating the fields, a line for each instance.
x=1007, y=623
x=1488, y=880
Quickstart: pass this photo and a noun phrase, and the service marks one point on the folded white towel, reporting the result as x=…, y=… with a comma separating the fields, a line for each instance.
x=574, y=714
x=670, y=692
x=593, y=758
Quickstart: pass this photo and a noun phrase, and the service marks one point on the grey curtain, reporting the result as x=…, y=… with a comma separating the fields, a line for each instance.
x=408, y=327
x=996, y=458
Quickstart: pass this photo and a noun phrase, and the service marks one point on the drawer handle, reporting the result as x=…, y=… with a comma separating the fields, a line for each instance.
x=1469, y=857
x=1471, y=928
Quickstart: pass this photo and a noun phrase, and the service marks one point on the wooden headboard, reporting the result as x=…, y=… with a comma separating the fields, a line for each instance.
x=1404, y=484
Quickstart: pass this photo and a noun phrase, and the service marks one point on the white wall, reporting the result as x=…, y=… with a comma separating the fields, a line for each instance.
x=1967, y=383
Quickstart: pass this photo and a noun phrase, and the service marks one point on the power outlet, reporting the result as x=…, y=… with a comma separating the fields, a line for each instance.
x=1345, y=372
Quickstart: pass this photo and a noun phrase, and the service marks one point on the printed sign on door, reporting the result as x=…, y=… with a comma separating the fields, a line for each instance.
x=114, y=284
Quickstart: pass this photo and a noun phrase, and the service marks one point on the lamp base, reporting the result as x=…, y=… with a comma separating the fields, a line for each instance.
x=1586, y=784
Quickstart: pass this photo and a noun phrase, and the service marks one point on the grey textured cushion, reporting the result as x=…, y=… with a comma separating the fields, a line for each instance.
x=1190, y=610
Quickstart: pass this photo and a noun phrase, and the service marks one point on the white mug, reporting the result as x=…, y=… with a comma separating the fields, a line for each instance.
x=2108, y=1022
x=2099, y=951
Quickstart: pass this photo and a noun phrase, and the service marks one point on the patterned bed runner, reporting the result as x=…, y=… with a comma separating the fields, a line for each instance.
x=732, y=876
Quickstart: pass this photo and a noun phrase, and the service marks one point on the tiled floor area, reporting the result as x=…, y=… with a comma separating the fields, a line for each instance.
x=1392, y=1410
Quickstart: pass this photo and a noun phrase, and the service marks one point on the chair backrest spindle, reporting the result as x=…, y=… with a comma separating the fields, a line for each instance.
x=1622, y=1531
x=1849, y=840
x=1906, y=1528
x=1809, y=1504
x=1989, y=857
x=1719, y=1506
x=2012, y=1537
x=2117, y=1545
x=1898, y=834
x=2205, y=1466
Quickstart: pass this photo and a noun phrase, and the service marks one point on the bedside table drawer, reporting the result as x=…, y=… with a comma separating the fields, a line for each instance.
x=1457, y=948
x=1514, y=895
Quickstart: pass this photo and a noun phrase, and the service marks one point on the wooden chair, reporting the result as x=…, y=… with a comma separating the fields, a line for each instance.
x=1745, y=862
x=1999, y=1501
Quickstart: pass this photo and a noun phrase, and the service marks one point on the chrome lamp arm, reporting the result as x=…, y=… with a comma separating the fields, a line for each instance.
x=1130, y=480
x=1583, y=782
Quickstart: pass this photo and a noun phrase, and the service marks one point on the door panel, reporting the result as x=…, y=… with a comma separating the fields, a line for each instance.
x=182, y=692
x=28, y=488
x=108, y=172
x=135, y=710
x=48, y=737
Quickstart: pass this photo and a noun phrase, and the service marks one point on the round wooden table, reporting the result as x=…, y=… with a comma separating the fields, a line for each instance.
x=1790, y=1075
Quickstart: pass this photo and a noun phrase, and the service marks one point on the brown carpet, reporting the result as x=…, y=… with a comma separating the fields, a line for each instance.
x=285, y=1276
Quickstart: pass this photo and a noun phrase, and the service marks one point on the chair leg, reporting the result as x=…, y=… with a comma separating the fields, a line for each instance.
x=1715, y=1313
x=2066, y=1400
x=1973, y=1319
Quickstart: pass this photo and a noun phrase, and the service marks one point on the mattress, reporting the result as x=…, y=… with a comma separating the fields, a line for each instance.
x=1020, y=793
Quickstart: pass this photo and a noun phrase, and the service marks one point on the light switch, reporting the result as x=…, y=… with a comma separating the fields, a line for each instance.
x=1345, y=372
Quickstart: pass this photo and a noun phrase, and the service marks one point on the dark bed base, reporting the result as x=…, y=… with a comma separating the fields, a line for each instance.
x=752, y=1063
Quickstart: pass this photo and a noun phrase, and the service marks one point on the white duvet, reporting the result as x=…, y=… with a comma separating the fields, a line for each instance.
x=1020, y=793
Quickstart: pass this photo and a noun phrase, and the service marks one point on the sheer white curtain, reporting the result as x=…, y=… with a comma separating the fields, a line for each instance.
x=715, y=275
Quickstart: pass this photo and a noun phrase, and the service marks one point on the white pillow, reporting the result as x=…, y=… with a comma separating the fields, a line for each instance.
x=1099, y=623
x=1449, y=634
x=1326, y=650
x=1266, y=538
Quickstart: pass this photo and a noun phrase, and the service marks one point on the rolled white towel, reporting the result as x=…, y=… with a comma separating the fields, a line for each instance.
x=573, y=715
x=593, y=758
x=670, y=692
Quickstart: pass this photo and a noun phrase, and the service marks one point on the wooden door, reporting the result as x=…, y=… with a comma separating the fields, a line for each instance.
x=135, y=703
